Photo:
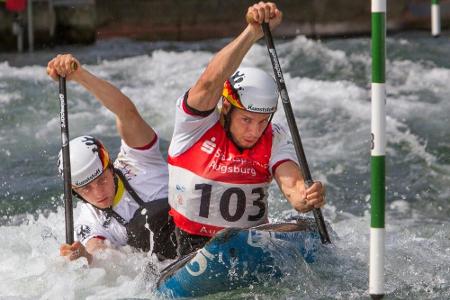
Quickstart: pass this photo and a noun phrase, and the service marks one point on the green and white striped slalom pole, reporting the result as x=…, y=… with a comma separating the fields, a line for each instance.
x=377, y=231
x=435, y=18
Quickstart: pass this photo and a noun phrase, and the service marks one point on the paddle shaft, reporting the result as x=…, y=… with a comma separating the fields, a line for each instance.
x=66, y=160
x=293, y=128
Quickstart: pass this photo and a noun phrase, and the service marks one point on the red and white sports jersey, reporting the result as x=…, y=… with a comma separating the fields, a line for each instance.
x=212, y=185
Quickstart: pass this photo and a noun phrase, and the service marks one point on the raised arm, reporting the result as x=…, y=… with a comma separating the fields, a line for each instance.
x=131, y=126
x=206, y=92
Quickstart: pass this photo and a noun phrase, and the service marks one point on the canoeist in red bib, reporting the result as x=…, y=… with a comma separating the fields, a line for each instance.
x=222, y=162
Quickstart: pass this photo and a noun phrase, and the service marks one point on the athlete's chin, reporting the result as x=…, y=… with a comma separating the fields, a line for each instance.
x=104, y=203
x=247, y=144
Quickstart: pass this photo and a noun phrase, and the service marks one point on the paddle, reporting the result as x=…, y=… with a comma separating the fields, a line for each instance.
x=293, y=128
x=66, y=160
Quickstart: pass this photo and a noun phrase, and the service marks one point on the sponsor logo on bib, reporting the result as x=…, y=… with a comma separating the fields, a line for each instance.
x=208, y=146
x=210, y=232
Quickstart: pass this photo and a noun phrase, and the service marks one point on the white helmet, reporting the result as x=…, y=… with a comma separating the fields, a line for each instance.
x=88, y=160
x=253, y=90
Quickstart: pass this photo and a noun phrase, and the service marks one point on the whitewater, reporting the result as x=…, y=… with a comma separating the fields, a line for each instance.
x=329, y=86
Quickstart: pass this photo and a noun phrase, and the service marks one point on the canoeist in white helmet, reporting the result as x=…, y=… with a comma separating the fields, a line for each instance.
x=124, y=203
x=222, y=162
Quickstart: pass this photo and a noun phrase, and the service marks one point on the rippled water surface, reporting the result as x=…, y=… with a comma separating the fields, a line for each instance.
x=329, y=86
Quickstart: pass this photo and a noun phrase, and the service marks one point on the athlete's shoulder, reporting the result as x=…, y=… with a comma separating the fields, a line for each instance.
x=88, y=212
x=280, y=133
x=278, y=129
x=134, y=161
x=90, y=222
x=189, y=129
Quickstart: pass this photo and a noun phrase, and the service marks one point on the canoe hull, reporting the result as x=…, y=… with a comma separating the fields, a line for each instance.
x=237, y=258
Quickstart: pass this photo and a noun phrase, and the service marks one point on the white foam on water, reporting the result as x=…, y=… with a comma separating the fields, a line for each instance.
x=415, y=252
x=6, y=98
x=32, y=268
x=29, y=73
x=415, y=76
x=399, y=133
x=402, y=206
x=333, y=115
x=315, y=50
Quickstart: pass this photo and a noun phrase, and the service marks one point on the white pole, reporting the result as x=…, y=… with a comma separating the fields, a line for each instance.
x=378, y=151
x=435, y=18
x=18, y=31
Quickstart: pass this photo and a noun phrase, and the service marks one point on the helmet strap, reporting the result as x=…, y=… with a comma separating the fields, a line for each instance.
x=78, y=196
x=227, y=122
x=270, y=119
x=116, y=180
x=227, y=126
